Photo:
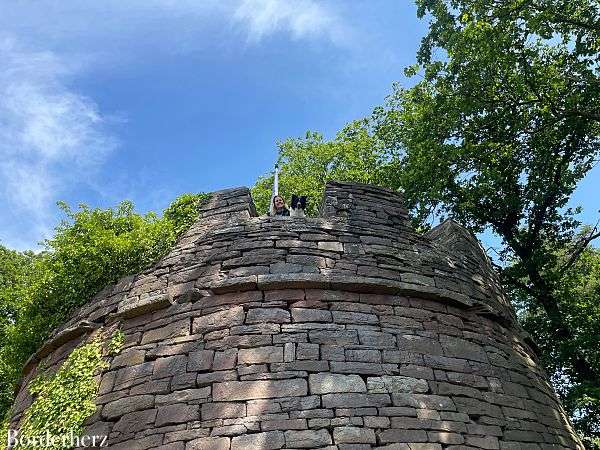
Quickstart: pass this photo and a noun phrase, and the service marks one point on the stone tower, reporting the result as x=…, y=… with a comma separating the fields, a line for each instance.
x=345, y=331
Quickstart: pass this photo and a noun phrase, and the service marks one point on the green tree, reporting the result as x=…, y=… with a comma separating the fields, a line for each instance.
x=578, y=297
x=307, y=163
x=498, y=133
x=90, y=249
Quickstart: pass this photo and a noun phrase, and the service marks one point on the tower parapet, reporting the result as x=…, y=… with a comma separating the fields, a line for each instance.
x=347, y=330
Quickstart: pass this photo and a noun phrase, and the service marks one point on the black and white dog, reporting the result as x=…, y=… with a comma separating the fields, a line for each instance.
x=298, y=206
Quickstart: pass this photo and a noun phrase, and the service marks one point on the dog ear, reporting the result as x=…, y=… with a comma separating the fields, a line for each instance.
x=294, y=201
x=303, y=202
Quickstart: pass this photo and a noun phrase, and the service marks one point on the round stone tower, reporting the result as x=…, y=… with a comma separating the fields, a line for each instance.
x=345, y=331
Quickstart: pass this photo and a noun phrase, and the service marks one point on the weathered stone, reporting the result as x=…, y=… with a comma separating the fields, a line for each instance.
x=270, y=440
x=260, y=355
x=126, y=405
x=208, y=443
x=395, y=435
x=225, y=360
x=284, y=424
x=424, y=401
x=217, y=320
x=333, y=337
x=307, y=438
x=135, y=421
x=311, y=315
x=183, y=396
x=307, y=351
x=177, y=414
x=352, y=400
x=394, y=384
x=331, y=246
x=137, y=306
x=353, y=435
x=200, y=360
x=328, y=383
x=129, y=357
x=247, y=390
x=169, y=366
x=268, y=315
x=172, y=330
x=223, y=410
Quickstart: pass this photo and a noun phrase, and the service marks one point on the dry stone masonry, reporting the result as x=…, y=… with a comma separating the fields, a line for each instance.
x=346, y=331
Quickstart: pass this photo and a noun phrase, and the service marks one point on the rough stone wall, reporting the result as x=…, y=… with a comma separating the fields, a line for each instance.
x=346, y=331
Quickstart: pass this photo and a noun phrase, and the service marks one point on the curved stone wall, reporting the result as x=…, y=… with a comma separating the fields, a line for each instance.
x=345, y=331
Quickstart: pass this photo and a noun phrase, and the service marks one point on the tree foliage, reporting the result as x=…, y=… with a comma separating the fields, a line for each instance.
x=498, y=133
x=307, y=163
x=90, y=249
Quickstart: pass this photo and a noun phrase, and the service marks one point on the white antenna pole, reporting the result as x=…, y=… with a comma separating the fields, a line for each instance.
x=275, y=189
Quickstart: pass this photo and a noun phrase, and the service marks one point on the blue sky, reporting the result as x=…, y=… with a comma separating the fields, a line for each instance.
x=145, y=100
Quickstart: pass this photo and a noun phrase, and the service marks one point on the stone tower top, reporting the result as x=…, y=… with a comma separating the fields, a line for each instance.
x=343, y=331
x=361, y=241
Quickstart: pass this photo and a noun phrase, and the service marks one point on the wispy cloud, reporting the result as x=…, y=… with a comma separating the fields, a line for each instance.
x=50, y=136
x=301, y=18
x=168, y=25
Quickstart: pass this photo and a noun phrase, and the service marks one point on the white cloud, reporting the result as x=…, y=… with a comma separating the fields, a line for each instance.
x=50, y=136
x=301, y=18
x=168, y=25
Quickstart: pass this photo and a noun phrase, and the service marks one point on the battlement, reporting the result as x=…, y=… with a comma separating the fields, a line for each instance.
x=361, y=241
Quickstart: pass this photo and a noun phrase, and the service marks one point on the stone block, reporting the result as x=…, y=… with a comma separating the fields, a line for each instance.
x=360, y=355
x=311, y=315
x=355, y=400
x=267, y=315
x=289, y=352
x=424, y=401
x=307, y=438
x=135, y=421
x=333, y=337
x=200, y=360
x=225, y=410
x=331, y=246
x=259, y=355
x=353, y=435
x=217, y=320
x=270, y=440
x=354, y=318
x=172, y=330
x=126, y=405
x=128, y=357
x=396, y=435
x=204, y=379
x=131, y=307
x=487, y=442
x=284, y=424
x=307, y=351
x=208, y=443
x=248, y=390
x=445, y=438
x=225, y=360
x=183, y=396
x=178, y=413
x=395, y=384
x=329, y=383
x=169, y=366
